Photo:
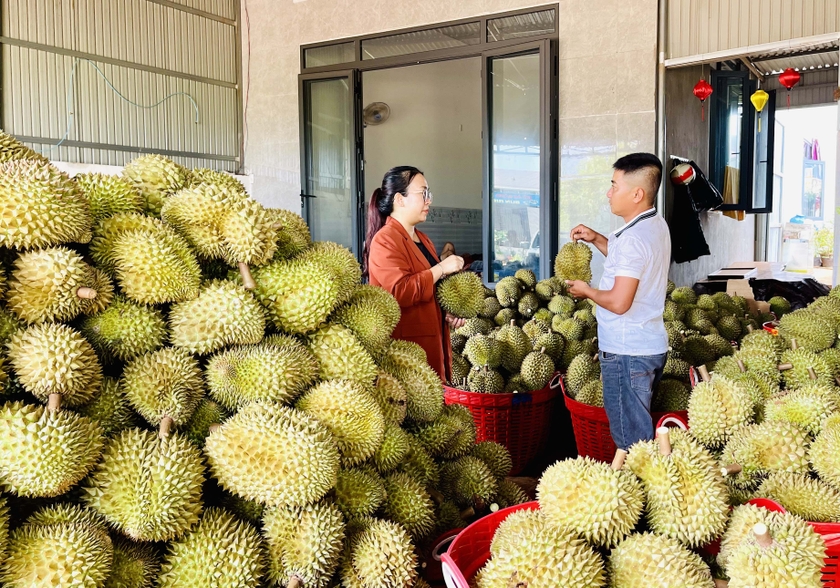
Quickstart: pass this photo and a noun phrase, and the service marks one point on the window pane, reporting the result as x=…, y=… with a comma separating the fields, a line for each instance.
x=734, y=106
x=461, y=35
x=521, y=26
x=329, y=55
x=515, y=165
x=329, y=160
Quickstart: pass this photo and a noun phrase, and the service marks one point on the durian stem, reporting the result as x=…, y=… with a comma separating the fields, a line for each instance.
x=762, y=535
x=54, y=402
x=721, y=583
x=618, y=460
x=663, y=435
x=214, y=427
x=783, y=367
x=793, y=344
x=512, y=322
x=277, y=226
x=731, y=470
x=479, y=503
x=704, y=373
x=542, y=349
x=436, y=496
x=247, y=278
x=468, y=513
x=86, y=293
x=811, y=373
x=741, y=366
x=837, y=380
x=494, y=507
x=295, y=582
x=750, y=329
x=165, y=426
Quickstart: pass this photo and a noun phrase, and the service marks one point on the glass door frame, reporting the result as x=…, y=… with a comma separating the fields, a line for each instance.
x=353, y=114
x=549, y=157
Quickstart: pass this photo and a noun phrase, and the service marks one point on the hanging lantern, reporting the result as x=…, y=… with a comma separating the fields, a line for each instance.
x=759, y=100
x=703, y=90
x=789, y=78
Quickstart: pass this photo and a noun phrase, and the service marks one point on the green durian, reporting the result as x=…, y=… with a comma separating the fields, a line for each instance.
x=409, y=504
x=382, y=555
x=372, y=315
x=391, y=396
x=223, y=314
x=461, y=294
x=495, y=456
x=717, y=409
x=52, y=358
x=163, y=383
x=484, y=379
x=264, y=450
x=135, y=565
x=573, y=262
x=206, y=414
x=278, y=372
x=803, y=496
x=339, y=262
x=221, y=551
x=156, y=177
x=359, y=492
x=341, y=356
x=41, y=206
x=468, y=482
x=44, y=452
x=293, y=235
x=806, y=407
x=125, y=330
x=109, y=195
x=12, y=150
x=110, y=408
x=172, y=472
x=508, y=292
x=824, y=450
x=647, y=559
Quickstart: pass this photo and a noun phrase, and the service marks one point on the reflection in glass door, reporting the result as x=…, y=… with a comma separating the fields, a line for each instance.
x=519, y=230
x=329, y=158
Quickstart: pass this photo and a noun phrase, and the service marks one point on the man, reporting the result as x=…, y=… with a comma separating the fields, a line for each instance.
x=631, y=297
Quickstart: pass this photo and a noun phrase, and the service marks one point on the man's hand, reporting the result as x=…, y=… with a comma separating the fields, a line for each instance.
x=578, y=288
x=587, y=235
x=583, y=233
x=454, y=322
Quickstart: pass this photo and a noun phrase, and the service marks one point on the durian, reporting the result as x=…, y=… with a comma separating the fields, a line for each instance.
x=573, y=261
x=156, y=177
x=461, y=294
x=109, y=195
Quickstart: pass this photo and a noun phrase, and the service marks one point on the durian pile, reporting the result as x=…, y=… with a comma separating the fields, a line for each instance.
x=517, y=336
x=196, y=395
x=642, y=522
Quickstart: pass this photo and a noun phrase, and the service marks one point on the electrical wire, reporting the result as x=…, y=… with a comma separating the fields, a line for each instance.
x=247, y=79
x=71, y=96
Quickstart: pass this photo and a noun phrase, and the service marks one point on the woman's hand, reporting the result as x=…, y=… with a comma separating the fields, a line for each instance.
x=452, y=264
x=454, y=322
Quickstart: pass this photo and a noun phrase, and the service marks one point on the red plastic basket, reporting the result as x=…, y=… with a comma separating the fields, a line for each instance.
x=471, y=548
x=592, y=428
x=521, y=421
x=830, y=533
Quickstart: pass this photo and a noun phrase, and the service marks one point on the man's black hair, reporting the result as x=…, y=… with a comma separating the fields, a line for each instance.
x=647, y=162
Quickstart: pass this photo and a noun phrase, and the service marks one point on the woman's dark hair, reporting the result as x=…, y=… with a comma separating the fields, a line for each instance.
x=381, y=204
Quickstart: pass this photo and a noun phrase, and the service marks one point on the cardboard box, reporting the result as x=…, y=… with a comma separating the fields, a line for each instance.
x=743, y=288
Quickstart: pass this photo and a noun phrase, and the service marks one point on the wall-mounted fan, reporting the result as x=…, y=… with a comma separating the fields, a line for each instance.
x=376, y=113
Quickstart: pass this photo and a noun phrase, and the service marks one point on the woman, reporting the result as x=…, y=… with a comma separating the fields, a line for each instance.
x=403, y=261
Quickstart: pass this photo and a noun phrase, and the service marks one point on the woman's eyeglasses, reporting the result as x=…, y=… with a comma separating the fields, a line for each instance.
x=427, y=195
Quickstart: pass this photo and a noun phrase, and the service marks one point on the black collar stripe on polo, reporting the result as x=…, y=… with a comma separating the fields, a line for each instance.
x=639, y=219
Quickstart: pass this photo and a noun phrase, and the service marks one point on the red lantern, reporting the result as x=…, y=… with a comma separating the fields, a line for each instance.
x=703, y=90
x=789, y=78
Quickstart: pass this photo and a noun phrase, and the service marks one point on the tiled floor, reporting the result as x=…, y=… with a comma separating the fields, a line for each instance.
x=823, y=275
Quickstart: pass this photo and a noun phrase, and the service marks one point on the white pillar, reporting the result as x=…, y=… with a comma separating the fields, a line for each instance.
x=837, y=193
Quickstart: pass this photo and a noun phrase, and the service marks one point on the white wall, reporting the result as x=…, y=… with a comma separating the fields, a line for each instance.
x=435, y=125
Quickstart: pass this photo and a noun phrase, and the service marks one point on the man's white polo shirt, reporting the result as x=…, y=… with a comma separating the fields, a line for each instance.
x=640, y=249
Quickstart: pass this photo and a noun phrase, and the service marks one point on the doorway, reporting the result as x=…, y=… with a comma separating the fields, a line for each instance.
x=433, y=123
x=801, y=227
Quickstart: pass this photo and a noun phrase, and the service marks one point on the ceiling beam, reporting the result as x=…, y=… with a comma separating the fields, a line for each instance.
x=752, y=68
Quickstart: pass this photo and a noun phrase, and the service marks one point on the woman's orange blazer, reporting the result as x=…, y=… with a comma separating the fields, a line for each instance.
x=397, y=265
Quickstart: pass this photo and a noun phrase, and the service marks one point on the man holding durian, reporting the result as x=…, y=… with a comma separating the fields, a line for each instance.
x=630, y=297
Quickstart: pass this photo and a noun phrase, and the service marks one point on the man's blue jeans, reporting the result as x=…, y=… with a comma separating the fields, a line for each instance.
x=629, y=381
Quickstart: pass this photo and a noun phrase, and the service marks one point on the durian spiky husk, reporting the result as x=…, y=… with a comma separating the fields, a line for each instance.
x=339, y=261
x=391, y=396
x=794, y=558
x=125, y=330
x=299, y=294
x=597, y=502
x=406, y=361
x=279, y=371
x=163, y=383
x=156, y=177
x=350, y=413
x=359, y=492
x=202, y=175
x=806, y=407
x=107, y=230
x=541, y=557
x=265, y=450
x=13, y=150
x=109, y=195
x=495, y=456
x=45, y=452
x=647, y=559
x=717, y=409
x=52, y=358
x=383, y=555
x=293, y=234
x=60, y=554
x=303, y=542
x=110, y=408
x=372, y=315
x=687, y=498
x=766, y=448
x=146, y=487
x=461, y=294
x=135, y=565
x=155, y=267
x=224, y=313
x=44, y=283
x=341, y=356
x=468, y=482
x=572, y=262
x=40, y=206
x=394, y=447
x=803, y=496
x=825, y=449
x=221, y=551
x=409, y=504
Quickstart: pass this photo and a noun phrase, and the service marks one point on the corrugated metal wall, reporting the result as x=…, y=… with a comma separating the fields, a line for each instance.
x=150, y=51
x=706, y=26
